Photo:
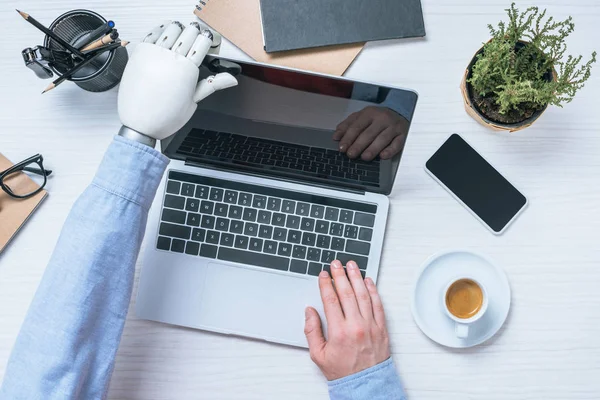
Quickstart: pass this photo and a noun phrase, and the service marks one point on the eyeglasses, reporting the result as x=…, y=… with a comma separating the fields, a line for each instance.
x=22, y=189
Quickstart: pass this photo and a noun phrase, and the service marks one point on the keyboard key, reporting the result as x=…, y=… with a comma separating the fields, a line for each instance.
x=299, y=266
x=207, y=207
x=317, y=211
x=264, y=217
x=294, y=236
x=292, y=222
x=208, y=251
x=193, y=219
x=346, y=216
x=191, y=204
x=279, y=234
x=256, y=259
x=174, y=201
x=201, y=192
x=250, y=214
x=303, y=209
x=360, y=260
x=235, y=212
x=278, y=219
x=192, y=248
x=221, y=209
x=338, y=244
x=163, y=243
x=187, y=189
x=351, y=231
x=288, y=206
x=365, y=234
x=198, y=235
x=270, y=247
x=227, y=239
x=255, y=244
x=299, y=252
x=323, y=241
x=259, y=201
x=307, y=224
x=363, y=219
x=176, y=216
x=173, y=187
x=176, y=231
x=231, y=197
x=265, y=231
x=313, y=254
x=178, y=245
x=273, y=204
x=216, y=194
x=212, y=237
x=284, y=249
x=208, y=222
x=250, y=229
x=322, y=227
x=222, y=224
x=245, y=199
x=309, y=239
x=332, y=214
x=241, y=242
x=327, y=256
x=354, y=246
x=314, y=269
x=236, y=227
x=336, y=229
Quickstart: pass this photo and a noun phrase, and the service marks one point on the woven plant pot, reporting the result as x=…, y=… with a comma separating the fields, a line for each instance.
x=472, y=109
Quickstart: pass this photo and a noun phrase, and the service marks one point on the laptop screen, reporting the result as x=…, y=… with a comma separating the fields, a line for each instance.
x=288, y=124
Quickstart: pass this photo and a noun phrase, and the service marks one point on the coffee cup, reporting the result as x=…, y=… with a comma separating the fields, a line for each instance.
x=465, y=301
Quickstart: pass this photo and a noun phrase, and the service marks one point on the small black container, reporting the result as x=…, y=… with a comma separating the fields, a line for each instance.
x=106, y=70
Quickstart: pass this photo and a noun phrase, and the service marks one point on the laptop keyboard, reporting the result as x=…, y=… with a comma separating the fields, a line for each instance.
x=261, y=226
x=279, y=156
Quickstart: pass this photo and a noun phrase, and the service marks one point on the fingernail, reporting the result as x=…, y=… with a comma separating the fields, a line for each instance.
x=385, y=154
x=336, y=264
x=342, y=147
x=350, y=154
x=323, y=274
x=352, y=265
x=306, y=313
x=369, y=281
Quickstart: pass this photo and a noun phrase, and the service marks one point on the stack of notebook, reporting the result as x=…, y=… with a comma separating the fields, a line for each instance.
x=316, y=35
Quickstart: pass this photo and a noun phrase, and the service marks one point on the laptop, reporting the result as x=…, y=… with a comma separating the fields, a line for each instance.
x=258, y=200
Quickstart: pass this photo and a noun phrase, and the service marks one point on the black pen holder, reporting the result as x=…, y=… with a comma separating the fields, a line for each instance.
x=104, y=72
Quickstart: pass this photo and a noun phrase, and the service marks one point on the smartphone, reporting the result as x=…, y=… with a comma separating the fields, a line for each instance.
x=478, y=186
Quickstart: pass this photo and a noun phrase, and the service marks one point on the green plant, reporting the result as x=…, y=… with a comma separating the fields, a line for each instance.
x=516, y=64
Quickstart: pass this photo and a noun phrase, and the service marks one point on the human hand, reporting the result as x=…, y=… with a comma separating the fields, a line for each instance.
x=357, y=336
x=372, y=131
x=159, y=89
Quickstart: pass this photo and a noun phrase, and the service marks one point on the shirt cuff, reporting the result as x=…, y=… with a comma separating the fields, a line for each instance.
x=380, y=382
x=131, y=170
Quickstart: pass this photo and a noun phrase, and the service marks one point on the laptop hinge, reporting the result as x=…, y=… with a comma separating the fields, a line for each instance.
x=193, y=163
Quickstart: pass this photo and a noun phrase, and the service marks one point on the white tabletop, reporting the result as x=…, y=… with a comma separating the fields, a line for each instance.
x=549, y=346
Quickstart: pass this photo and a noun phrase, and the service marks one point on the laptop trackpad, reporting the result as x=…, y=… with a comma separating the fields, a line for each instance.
x=259, y=304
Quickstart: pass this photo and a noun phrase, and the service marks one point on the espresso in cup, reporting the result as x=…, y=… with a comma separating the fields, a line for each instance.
x=464, y=298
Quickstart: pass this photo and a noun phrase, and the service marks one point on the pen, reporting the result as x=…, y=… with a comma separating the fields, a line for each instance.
x=111, y=37
x=96, y=33
x=82, y=64
x=51, y=34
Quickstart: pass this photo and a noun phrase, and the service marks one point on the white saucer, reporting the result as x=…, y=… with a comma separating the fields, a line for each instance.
x=428, y=289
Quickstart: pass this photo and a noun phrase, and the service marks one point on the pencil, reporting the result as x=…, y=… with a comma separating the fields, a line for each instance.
x=82, y=64
x=48, y=32
x=109, y=46
x=97, y=33
x=111, y=37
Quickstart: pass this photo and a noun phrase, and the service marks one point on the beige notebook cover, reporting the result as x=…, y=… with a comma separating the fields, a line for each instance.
x=239, y=21
x=15, y=212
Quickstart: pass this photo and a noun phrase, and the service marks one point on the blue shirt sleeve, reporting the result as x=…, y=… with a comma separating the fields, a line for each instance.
x=68, y=342
x=380, y=382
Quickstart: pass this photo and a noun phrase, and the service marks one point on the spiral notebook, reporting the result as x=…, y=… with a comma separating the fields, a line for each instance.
x=293, y=24
x=239, y=21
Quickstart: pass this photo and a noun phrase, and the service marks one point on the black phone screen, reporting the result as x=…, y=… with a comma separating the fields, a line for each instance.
x=476, y=183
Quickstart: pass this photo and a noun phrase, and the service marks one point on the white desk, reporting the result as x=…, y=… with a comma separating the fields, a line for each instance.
x=549, y=347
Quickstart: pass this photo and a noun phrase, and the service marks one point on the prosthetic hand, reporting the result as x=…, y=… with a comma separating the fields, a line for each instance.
x=159, y=90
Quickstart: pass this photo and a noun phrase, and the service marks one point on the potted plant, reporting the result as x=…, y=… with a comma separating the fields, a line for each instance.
x=521, y=70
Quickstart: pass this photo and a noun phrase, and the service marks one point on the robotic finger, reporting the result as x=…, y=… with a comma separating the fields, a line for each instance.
x=155, y=33
x=200, y=47
x=186, y=39
x=169, y=36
